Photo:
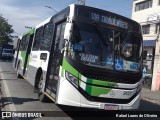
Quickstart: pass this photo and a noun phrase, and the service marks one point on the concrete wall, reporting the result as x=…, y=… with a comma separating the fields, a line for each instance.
x=156, y=69
x=144, y=17
x=141, y=16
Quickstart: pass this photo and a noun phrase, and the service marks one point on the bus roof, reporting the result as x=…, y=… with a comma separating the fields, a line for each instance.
x=43, y=23
x=31, y=31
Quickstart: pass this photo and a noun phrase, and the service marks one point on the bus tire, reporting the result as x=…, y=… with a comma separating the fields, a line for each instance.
x=37, y=79
x=18, y=75
x=42, y=97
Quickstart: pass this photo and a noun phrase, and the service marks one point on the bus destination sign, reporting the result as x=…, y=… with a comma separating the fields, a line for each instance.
x=109, y=20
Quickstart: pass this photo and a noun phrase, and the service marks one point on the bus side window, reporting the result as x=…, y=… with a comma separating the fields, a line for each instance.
x=26, y=42
x=47, y=37
x=18, y=43
x=62, y=41
x=22, y=44
x=59, y=40
x=38, y=38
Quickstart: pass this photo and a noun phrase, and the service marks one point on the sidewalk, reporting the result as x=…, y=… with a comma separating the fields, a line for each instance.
x=152, y=96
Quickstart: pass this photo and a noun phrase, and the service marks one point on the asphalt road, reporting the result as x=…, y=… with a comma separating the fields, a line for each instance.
x=18, y=95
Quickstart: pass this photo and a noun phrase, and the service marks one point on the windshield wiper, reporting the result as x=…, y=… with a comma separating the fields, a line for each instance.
x=100, y=34
x=126, y=39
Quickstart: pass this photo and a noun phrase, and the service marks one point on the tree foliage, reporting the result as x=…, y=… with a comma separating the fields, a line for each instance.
x=5, y=30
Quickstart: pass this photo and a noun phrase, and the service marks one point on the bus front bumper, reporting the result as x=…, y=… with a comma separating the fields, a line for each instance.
x=69, y=95
x=134, y=104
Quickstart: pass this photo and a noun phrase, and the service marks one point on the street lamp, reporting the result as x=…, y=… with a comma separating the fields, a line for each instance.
x=51, y=8
x=82, y=2
x=28, y=27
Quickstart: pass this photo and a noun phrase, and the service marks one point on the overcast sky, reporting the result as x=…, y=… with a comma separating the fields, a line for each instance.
x=21, y=13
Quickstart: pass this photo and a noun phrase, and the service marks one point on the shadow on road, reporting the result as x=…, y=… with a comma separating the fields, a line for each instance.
x=15, y=100
x=148, y=106
x=84, y=113
x=77, y=113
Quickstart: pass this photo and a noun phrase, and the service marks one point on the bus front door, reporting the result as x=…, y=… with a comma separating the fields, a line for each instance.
x=55, y=59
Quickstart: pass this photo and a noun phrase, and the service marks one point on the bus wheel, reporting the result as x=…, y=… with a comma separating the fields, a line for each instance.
x=18, y=75
x=42, y=97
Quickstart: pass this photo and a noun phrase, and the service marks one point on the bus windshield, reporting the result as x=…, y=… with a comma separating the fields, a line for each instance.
x=97, y=46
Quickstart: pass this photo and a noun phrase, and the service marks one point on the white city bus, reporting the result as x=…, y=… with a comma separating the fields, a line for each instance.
x=87, y=57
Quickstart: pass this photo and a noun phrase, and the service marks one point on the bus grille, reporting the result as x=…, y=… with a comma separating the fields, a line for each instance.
x=107, y=100
x=114, y=78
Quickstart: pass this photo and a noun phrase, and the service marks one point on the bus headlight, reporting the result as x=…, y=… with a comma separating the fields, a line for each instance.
x=72, y=79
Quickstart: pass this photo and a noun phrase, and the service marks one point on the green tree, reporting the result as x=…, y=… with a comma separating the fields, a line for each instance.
x=5, y=31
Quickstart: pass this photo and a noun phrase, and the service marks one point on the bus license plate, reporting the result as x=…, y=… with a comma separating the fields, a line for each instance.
x=111, y=107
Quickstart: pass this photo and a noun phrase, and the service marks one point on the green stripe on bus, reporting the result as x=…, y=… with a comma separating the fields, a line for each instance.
x=29, y=32
x=88, y=89
x=79, y=79
x=23, y=55
x=97, y=91
x=100, y=82
x=89, y=81
x=69, y=68
x=28, y=60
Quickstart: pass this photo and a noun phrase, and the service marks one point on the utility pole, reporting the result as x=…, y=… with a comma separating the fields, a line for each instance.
x=82, y=2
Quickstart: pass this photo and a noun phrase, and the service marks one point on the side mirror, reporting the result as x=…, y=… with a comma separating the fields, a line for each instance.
x=78, y=47
x=65, y=45
x=43, y=56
